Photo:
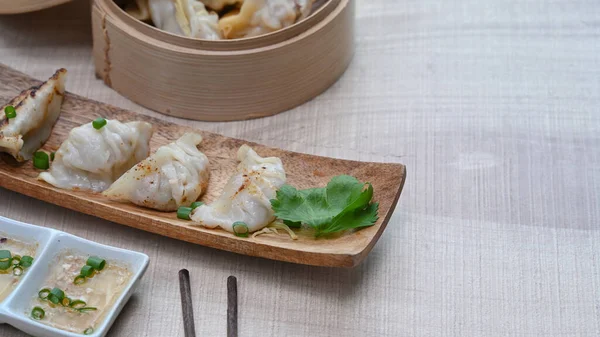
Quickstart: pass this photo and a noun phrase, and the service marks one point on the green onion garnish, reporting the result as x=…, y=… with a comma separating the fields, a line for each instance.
x=5, y=259
x=240, y=229
x=41, y=160
x=10, y=112
x=43, y=294
x=96, y=263
x=16, y=260
x=79, y=279
x=196, y=204
x=88, y=331
x=86, y=309
x=17, y=271
x=184, y=213
x=38, y=313
x=77, y=304
x=87, y=271
x=26, y=261
x=292, y=224
x=66, y=302
x=98, y=123
x=56, y=296
x=52, y=155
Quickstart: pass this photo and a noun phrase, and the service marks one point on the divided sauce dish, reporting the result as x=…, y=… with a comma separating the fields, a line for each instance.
x=52, y=245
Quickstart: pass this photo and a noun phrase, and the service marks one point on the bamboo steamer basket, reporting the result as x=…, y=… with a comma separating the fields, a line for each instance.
x=25, y=6
x=222, y=80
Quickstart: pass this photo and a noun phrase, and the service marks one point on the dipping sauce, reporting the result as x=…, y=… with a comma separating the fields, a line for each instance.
x=100, y=291
x=8, y=280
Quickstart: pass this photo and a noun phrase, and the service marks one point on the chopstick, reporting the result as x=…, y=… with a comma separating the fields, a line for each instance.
x=232, y=307
x=186, y=303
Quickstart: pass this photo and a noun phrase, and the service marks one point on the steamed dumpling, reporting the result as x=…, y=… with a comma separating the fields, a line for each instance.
x=139, y=10
x=93, y=159
x=176, y=175
x=246, y=196
x=37, y=111
x=185, y=17
x=258, y=17
x=218, y=5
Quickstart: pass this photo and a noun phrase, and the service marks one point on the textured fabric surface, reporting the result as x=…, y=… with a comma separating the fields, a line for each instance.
x=493, y=105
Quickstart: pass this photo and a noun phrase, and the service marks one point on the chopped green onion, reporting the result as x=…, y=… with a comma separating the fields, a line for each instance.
x=17, y=271
x=52, y=155
x=79, y=279
x=87, y=271
x=16, y=260
x=38, y=313
x=10, y=112
x=88, y=331
x=86, y=309
x=26, y=261
x=66, y=302
x=98, y=123
x=56, y=296
x=77, y=304
x=41, y=160
x=184, y=213
x=43, y=294
x=240, y=229
x=196, y=204
x=96, y=263
x=5, y=259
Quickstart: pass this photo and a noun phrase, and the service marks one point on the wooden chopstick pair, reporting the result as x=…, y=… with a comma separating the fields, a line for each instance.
x=188, y=311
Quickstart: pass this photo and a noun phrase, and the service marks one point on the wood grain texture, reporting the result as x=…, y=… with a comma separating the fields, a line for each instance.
x=222, y=80
x=494, y=108
x=24, y=6
x=303, y=171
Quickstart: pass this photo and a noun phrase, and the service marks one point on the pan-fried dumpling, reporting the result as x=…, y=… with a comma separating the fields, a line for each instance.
x=246, y=196
x=92, y=159
x=185, y=17
x=37, y=110
x=258, y=17
x=176, y=175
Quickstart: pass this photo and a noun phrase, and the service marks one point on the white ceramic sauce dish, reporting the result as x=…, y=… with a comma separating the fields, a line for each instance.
x=15, y=308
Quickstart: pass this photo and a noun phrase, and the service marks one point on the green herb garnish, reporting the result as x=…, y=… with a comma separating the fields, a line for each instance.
x=196, y=204
x=184, y=213
x=77, y=304
x=56, y=296
x=17, y=271
x=240, y=229
x=10, y=112
x=99, y=123
x=43, y=294
x=79, y=279
x=87, y=271
x=41, y=160
x=5, y=259
x=344, y=204
x=38, y=313
x=88, y=331
x=96, y=263
x=26, y=261
x=52, y=154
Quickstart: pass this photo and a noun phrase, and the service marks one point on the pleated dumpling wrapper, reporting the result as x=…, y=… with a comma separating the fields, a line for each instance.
x=36, y=112
x=247, y=195
x=92, y=159
x=258, y=17
x=175, y=175
x=185, y=17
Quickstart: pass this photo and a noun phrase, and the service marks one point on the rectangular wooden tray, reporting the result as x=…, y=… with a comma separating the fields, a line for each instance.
x=303, y=171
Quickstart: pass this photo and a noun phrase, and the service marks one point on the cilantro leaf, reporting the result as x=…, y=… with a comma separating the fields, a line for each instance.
x=343, y=204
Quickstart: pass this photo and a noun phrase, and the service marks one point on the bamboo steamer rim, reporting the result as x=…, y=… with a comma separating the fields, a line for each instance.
x=128, y=24
x=27, y=6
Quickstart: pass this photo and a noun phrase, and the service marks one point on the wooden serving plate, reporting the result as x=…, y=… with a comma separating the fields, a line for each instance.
x=26, y=6
x=222, y=80
x=303, y=171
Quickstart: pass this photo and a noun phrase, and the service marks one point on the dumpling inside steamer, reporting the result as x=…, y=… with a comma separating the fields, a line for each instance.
x=35, y=112
x=258, y=17
x=185, y=17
